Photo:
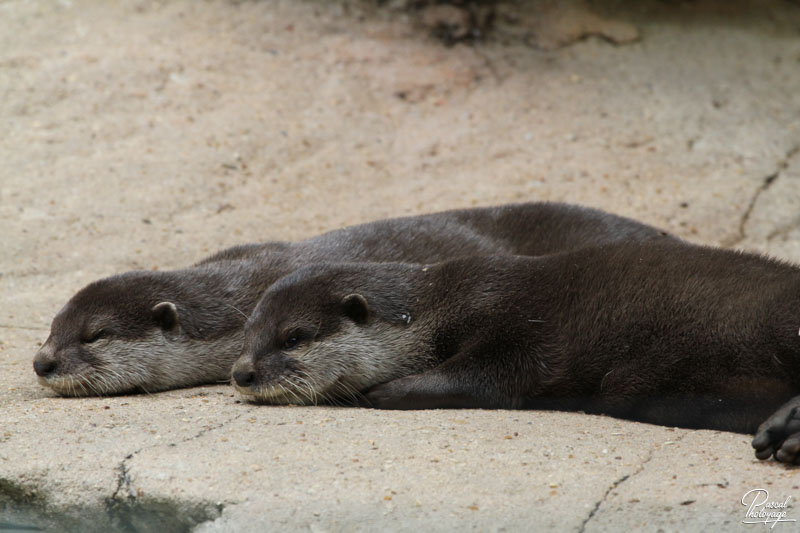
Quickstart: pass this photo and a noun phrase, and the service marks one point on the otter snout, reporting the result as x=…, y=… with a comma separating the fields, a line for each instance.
x=44, y=362
x=244, y=378
x=244, y=373
x=44, y=368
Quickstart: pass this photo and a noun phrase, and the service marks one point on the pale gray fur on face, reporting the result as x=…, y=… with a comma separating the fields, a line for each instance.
x=120, y=366
x=161, y=330
x=342, y=365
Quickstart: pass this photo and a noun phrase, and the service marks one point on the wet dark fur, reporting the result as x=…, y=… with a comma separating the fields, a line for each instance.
x=142, y=351
x=662, y=332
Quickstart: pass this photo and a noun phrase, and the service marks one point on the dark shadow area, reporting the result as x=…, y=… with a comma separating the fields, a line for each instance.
x=25, y=509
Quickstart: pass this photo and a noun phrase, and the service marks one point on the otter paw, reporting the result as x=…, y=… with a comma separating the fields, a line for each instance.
x=390, y=395
x=779, y=435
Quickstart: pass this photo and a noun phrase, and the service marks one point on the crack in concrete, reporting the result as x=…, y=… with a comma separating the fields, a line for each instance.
x=113, y=506
x=619, y=482
x=119, y=505
x=124, y=478
x=208, y=430
x=742, y=234
x=613, y=486
x=768, y=181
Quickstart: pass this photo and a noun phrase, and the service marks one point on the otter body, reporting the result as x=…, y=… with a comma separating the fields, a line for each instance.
x=660, y=332
x=149, y=331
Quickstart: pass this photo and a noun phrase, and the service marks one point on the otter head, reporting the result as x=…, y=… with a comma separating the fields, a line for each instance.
x=109, y=338
x=325, y=334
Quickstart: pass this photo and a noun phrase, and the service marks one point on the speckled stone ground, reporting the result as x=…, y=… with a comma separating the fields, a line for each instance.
x=148, y=134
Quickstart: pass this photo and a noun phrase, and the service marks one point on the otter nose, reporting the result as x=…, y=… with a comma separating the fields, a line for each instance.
x=244, y=378
x=44, y=368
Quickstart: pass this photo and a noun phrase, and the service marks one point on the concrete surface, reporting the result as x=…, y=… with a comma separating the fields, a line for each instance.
x=147, y=134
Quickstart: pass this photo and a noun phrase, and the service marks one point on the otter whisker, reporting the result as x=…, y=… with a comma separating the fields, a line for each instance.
x=296, y=393
x=68, y=386
x=288, y=394
x=100, y=386
x=110, y=380
x=237, y=310
x=350, y=391
x=305, y=390
x=332, y=395
x=118, y=380
x=144, y=389
x=284, y=391
x=342, y=388
x=308, y=383
x=94, y=387
x=81, y=383
x=317, y=387
x=62, y=387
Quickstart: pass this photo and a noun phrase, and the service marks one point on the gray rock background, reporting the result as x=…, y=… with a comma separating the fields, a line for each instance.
x=139, y=135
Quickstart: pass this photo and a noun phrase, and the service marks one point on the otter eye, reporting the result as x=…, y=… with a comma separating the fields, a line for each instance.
x=294, y=338
x=290, y=343
x=96, y=336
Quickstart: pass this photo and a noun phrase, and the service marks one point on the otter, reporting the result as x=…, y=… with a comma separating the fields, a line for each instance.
x=145, y=331
x=662, y=332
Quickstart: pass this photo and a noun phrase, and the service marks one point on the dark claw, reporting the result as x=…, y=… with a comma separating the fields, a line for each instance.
x=765, y=453
x=789, y=451
x=779, y=435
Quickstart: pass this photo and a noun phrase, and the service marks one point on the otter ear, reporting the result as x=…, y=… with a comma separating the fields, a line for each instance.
x=165, y=314
x=356, y=308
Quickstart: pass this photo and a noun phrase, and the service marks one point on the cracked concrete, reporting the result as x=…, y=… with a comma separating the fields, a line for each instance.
x=587, y=524
x=149, y=134
x=768, y=182
x=617, y=482
x=773, y=220
x=707, y=494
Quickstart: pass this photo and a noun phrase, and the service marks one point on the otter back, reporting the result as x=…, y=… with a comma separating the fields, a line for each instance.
x=661, y=332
